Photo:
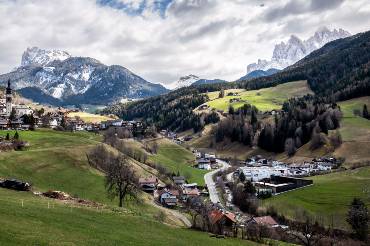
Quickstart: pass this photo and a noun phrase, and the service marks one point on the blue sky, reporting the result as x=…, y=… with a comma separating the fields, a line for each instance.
x=137, y=7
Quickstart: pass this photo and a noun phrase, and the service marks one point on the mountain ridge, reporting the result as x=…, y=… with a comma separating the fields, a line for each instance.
x=72, y=80
x=286, y=54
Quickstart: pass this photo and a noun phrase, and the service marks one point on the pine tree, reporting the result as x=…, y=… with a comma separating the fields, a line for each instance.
x=222, y=93
x=7, y=136
x=365, y=113
x=358, y=218
x=16, y=135
x=242, y=177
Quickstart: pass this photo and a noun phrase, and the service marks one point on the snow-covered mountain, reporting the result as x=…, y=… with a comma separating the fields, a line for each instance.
x=71, y=80
x=286, y=54
x=183, y=82
x=37, y=56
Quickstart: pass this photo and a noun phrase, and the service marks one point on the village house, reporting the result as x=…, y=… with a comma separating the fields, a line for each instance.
x=234, y=100
x=148, y=184
x=4, y=124
x=189, y=190
x=178, y=180
x=13, y=113
x=204, y=164
x=263, y=221
x=222, y=222
x=168, y=198
x=203, y=107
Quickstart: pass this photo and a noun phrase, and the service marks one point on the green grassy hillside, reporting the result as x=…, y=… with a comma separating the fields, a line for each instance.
x=264, y=99
x=36, y=224
x=57, y=161
x=355, y=132
x=177, y=158
x=328, y=198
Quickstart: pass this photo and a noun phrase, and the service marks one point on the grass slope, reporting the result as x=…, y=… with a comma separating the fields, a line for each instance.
x=35, y=224
x=57, y=161
x=177, y=158
x=264, y=99
x=355, y=132
x=328, y=198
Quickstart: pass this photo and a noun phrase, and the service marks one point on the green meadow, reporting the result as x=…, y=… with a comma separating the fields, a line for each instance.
x=328, y=198
x=264, y=99
x=43, y=221
x=178, y=159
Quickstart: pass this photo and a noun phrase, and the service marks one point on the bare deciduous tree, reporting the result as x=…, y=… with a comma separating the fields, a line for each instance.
x=121, y=179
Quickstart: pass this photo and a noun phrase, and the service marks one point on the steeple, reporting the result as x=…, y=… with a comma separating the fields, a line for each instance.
x=8, y=89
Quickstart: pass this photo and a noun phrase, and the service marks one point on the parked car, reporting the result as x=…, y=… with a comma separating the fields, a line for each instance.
x=15, y=185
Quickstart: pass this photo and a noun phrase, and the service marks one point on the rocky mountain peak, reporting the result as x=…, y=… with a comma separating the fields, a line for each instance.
x=37, y=56
x=286, y=54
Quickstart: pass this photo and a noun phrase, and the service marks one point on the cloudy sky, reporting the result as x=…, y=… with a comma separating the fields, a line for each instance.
x=162, y=40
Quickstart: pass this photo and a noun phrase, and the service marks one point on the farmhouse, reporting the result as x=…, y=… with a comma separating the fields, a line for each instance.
x=204, y=164
x=203, y=107
x=168, y=198
x=263, y=221
x=189, y=190
x=178, y=180
x=148, y=184
x=222, y=222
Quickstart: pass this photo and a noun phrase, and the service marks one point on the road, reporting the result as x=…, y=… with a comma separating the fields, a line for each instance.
x=213, y=194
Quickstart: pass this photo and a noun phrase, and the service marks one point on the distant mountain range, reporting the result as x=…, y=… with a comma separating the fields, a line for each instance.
x=286, y=54
x=259, y=73
x=208, y=81
x=191, y=79
x=56, y=77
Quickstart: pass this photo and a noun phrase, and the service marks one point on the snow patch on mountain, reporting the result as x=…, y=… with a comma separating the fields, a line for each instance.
x=37, y=56
x=286, y=54
x=182, y=82
x=76, y=80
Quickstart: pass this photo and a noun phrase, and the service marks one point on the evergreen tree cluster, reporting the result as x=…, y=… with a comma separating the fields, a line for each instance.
x=302, y=120
x=172, y=111
x=239, y=126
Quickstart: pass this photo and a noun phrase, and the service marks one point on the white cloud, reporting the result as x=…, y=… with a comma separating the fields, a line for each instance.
x=209, y=38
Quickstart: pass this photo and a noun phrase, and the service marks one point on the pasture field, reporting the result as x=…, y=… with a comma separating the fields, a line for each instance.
x=328, y=198
x=57, y=161
x=264, y=99
x=178, y=159
x=89, y=117
x=355, y=132
x=36, y=224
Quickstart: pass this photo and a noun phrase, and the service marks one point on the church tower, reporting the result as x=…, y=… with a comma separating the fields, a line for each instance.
x=8, y=99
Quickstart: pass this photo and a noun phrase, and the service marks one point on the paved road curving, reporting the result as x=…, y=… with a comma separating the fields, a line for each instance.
x=213, y=194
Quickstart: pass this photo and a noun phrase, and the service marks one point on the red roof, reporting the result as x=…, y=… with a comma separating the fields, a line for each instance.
x=265, y=220
x=191, y=192
x=216, y=215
